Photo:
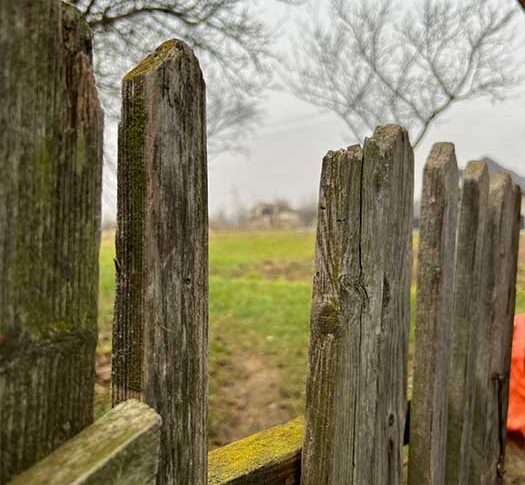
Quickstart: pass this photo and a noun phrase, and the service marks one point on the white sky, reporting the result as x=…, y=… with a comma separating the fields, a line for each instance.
x=285, y=152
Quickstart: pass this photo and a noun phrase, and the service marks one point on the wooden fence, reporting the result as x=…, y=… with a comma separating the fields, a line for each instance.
x=356, y=423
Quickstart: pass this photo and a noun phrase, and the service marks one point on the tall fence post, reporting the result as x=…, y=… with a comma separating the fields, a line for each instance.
x=50, y=187
x=466, y=319
x=494, y=353
x=435, y=274
x=360, y=315
x=161, y=310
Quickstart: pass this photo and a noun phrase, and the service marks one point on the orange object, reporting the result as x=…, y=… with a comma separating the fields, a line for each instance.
x=516, y=413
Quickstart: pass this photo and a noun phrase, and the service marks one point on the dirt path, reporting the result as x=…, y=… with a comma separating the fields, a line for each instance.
x=250, y=402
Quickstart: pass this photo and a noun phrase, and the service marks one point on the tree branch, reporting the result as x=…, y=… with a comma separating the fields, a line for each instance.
x=415, y=70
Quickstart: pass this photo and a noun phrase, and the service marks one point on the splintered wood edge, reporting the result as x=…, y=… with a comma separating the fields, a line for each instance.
x=264, y=450
x=92, y=449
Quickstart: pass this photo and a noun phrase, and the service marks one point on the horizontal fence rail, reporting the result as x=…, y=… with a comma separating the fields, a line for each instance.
x=270, y=457
x=122, y=447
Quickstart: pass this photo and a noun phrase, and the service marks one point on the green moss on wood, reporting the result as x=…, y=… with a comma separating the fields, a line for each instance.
x=51, y=164
x=135, y=136
x=152, y=61
x=135, y=132
x=328, y=320
x=121, y=447
x=243, y=457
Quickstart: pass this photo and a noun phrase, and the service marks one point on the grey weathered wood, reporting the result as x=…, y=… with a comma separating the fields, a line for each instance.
x=122, y=447
x=161, y=311
x=435, y=274
x=271, y=457
x=50, y=187
x=465, y=319
x=493, y=364
x=360, y=316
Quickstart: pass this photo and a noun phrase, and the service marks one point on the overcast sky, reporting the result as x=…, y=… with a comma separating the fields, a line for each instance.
x=285, y=152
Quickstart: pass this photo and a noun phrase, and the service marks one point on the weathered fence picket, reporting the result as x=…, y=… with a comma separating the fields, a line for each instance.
x=50, y=188
x=356, y=385
x=435, y=274
x=493, y=364
x=466, y=320
x=161, y=310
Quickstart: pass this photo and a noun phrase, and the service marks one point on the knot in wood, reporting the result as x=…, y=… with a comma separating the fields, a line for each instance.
x=326, y=320
x=354, y=286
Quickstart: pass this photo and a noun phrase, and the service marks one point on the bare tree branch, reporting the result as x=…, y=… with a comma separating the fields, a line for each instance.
x=233, y=45
x=370, y=65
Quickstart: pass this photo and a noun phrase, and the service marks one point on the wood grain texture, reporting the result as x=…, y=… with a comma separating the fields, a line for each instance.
x=493, y=365
x=466, y=317
x=271, y=457
x=434, y=299
x=50, y=189
x=160, y=339
x=122, y=447
x=360, y=315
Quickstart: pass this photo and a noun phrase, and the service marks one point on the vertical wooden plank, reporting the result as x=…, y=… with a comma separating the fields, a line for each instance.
x=161, y=311
x=493, y=365
x=465, y=319
x=339, y=213
x=360, y=316
x=428, y=420
x=51, y=166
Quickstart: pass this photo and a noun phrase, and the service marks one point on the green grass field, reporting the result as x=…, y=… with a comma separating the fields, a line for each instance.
x=260, y=285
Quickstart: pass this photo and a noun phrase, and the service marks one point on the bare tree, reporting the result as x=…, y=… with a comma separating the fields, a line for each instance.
x=371, y=65
x=233, y=45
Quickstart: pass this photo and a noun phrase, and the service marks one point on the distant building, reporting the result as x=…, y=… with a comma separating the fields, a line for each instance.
x=271, y=215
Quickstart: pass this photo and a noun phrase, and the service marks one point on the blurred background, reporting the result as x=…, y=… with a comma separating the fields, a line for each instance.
x=287, y=81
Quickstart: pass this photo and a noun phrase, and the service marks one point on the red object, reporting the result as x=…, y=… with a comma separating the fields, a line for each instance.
x=516, y=413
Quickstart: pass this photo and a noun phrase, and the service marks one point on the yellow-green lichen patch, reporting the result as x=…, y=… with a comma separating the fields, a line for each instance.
x=243, y=457
x=153, y=60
